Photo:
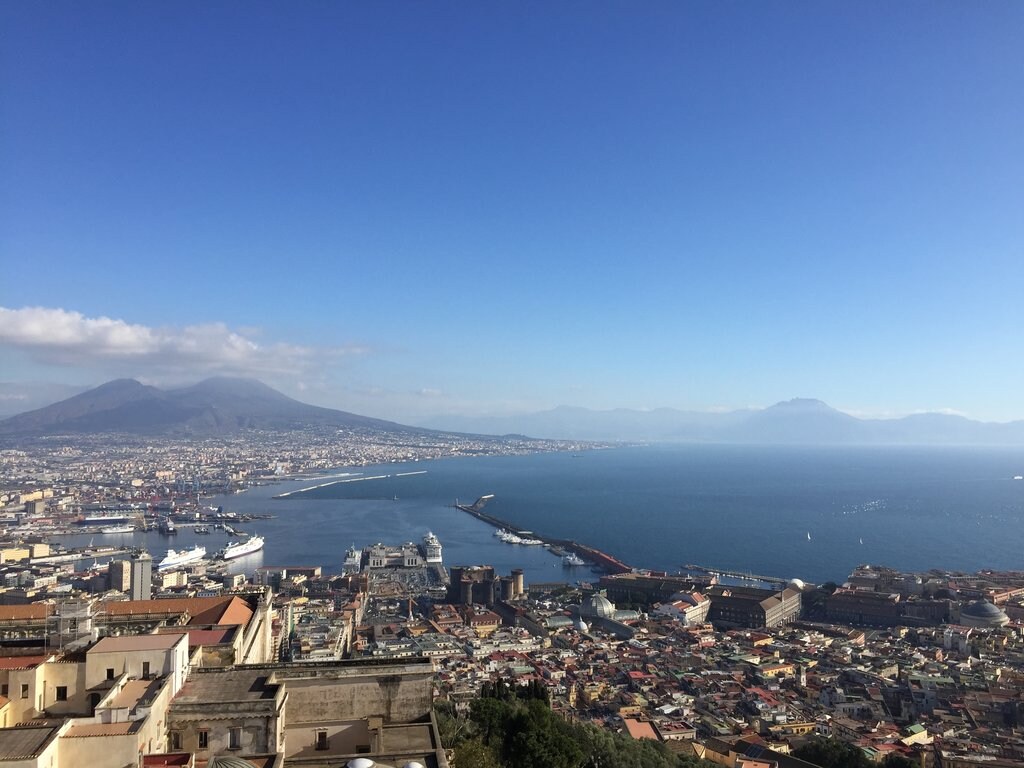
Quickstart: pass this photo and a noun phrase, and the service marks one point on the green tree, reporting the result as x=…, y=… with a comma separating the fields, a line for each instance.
x=833, y=753
x=896, y=760
x=475, y=754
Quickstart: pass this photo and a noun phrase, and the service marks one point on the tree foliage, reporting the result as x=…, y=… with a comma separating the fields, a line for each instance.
x=514, y=726
x=833, y=753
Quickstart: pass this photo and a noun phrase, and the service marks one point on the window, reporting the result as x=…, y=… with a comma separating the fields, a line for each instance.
x=145, y=669
x=62, y=693
x=235, y=738
x=175, y=741
x=321, y=740
x=204, y=739
x=110, y=673
x=4, y=689
x=24, y=690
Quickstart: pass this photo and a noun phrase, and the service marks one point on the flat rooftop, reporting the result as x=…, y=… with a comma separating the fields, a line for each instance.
x=129, y=643
x=91, y=730
x=135, y=691
x=232, y=685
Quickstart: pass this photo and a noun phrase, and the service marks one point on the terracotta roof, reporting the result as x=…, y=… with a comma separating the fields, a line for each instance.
x=202, y=610
x=236, y=612
x=136, y=643
x=21, y=662
x=174, y=605
x=639, y=729
x=103, y=729
x=23, y=612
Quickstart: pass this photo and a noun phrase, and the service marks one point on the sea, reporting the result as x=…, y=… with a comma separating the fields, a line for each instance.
x=788, y=512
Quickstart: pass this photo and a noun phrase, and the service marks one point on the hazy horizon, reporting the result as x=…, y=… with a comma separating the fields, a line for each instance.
x=418, y=211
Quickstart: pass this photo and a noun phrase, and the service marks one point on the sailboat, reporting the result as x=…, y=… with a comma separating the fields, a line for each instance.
x=808, y=535
x=862, y=541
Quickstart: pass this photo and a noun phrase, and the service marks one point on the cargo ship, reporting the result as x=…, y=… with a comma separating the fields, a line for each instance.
x=242, y=548
x=177, y=559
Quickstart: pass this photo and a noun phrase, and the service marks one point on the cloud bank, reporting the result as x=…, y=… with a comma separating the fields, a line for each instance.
x=66, y=338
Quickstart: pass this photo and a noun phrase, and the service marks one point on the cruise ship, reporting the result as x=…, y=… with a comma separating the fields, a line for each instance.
x=242, y=548
x=104, y=518
x=353, y=560
x=431, y=548
x=177, y=559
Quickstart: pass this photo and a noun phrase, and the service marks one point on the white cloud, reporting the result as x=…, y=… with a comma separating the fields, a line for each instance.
x=62, y=337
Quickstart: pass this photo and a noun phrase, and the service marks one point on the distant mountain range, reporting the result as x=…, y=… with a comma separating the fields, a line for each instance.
x=799, y=421
x=211, y=407
x=226, y=405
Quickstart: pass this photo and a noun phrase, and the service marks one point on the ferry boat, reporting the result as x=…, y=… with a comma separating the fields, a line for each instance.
x=118, y=529
x=242, y=548
x=572, y=560
x=177, y=559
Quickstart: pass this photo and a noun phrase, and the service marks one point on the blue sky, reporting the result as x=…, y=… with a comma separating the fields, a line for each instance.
x=410, y=209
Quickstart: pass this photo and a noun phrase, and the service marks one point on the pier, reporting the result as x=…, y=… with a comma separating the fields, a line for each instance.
x=601, y=559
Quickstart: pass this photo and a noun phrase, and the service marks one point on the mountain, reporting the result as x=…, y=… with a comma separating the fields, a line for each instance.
x=798, y=421
x=801, y=421
x=214, y=406
x=19, y=397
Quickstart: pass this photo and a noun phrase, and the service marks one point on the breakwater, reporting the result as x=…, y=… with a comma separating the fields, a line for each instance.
x=594, y=556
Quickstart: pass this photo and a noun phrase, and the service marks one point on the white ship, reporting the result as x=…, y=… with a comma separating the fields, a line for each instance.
x=431, y=548
x=118, y=529
x=104, y=518
x=353, y=560
x=573, y=560
x=177, y=559
x=247, y=547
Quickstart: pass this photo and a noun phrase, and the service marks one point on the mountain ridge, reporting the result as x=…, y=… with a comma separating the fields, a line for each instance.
x=219, y=405
x=795, y=421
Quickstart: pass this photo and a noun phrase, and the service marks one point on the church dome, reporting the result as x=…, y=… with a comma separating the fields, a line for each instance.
x=360, y=762
x=580, y=625
x=982, y=613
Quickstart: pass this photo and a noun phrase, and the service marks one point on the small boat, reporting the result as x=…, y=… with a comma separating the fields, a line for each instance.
x=808, y=535
x=202, y=529
x=1018, y=477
